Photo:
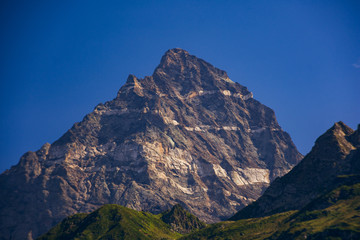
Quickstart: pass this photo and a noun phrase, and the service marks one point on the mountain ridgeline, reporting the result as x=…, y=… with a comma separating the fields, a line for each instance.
x=187, y=134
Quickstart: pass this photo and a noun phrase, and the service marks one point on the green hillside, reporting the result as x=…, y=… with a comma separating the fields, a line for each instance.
x=181, y=220
x=112, y=222
x=335, y=215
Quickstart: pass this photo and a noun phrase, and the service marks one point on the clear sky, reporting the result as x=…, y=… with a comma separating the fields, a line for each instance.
x=59, y=59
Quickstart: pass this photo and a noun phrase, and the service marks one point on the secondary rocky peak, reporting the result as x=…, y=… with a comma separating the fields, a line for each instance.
x=345, y=133
x=131, y=79
x=131, y=86
x=335, y=141
x=341, y=128
x=334, y=153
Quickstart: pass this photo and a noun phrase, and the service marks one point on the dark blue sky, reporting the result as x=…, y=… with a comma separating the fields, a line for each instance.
x=60, y=59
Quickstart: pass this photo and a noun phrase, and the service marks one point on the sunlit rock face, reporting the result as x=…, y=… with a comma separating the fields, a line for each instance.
x=187, y=134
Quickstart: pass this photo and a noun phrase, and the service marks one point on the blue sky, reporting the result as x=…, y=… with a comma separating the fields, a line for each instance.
x=59, y=59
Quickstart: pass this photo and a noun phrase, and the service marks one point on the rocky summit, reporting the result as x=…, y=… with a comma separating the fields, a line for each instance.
x=187, y=134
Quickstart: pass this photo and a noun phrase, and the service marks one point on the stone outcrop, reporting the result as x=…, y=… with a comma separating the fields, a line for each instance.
x=187, y=134
x=181, y=221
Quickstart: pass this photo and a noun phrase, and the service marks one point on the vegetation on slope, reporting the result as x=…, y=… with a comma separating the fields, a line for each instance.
x=311, y=202
x=117, y=222
x=181, y=220
x=252, y=229
x=112, y=222
x=340, y=219
x=335, y=215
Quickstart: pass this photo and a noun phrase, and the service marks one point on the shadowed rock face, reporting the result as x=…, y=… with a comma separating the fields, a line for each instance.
x=335, y=153
x=187, y=134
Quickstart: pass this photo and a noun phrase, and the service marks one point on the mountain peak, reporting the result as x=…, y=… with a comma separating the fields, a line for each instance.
x=187, y=134
x=340, y=126
x=179, y=64
x=337, y=137
x=176, y=51
x=174, y=56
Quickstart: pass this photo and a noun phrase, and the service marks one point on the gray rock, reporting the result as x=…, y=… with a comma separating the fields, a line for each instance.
x=187, y=134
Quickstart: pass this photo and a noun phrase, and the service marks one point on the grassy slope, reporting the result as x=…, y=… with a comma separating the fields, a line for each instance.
x=255, y=228
x=181, y=220
x=112, y=222
x=335, y=215
x=339, y=220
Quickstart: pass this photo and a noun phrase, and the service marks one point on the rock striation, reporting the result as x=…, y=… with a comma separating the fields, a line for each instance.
x=333, y=161
x=187, y=134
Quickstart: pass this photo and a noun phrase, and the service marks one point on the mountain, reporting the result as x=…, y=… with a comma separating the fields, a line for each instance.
x=336, y=152
x=317, y=199
x=187, y=134
x=335, y=214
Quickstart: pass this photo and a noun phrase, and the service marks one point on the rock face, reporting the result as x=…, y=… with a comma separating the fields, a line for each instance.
x=187, y=134
x=335, y=154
